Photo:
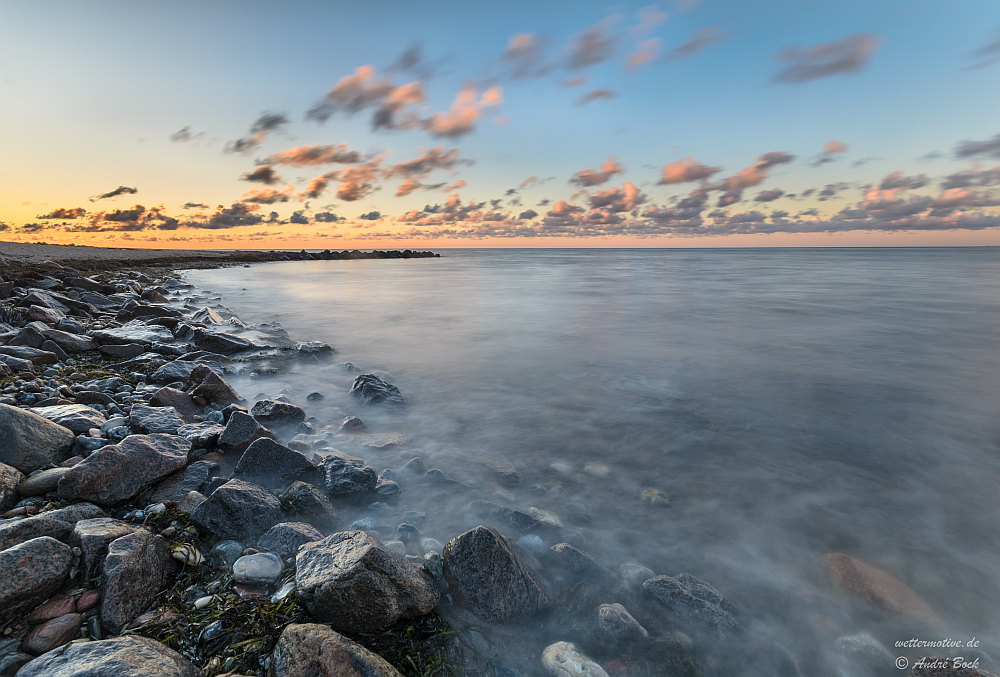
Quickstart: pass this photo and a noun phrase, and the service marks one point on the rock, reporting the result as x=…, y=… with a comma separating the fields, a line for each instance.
x=271, y=465
x=126, y=656
x=238, y=510
x=46, y=315
x=88, y=600
x=155, y=419
x=563, y=659
x=71, y=343
x=12, y=662
x=490, y=576
x=618, y=623
x=10, y=478
x=693, y=601
x=60, y=605
x=182, y=403
x=867, y=650
x=135, y=569
x=134, y=332
x=370, y=389
x=181, y=483
x=312, y=650
x=124, y=352
x=578, y=562
x=220, y=342
x=285, y=538
x=42, y=483
x=241, y=431
x=57, y=524
x=93, y=397
x=33, y=355
x=204, y=382
x=177, y=370
x=93, y=537
x=355, y=583
x=28, y=441
x=121, y=471
x=351, y=424
x=191, y=501
x=206, y=315
x=262, y=568
x=53, y=634
x=345, y=476
x=30, y=572
x=16, y=363
x=272, y=412
x=79, y=418
x=505, y=517
x=55, y=349
x=204, y=435
x=307, y=502
x=634, y=575
x=317, y=348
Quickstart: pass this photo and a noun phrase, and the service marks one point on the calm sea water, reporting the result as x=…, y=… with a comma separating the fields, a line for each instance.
x=791, y=402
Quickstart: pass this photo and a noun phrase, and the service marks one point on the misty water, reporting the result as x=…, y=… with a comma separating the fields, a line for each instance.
x=790, y=402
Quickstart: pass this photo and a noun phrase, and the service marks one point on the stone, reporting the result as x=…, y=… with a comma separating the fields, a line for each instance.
x=134, y=332
x=118, y=472
x=574, y=560
x=693, y=601
x=272, y=412
x=70, y=342
x=634, y=575
x=171, y=372
x=317, y=348
x=33, y=355
x=78, y=418
x=353, y=582
x=307, y=502
x=12, y=662
x=126, y=656
x=241, y=431
x=30, y=572
x=351, y=424
x=181, y=483
x=262, y=568
x=272, y=465
x=616, y=622
x=135, y=569
x=312, y=650
x=563, y=659
x=491, y=576
x=88, y=600
x=204, y=435
x=226, y=552
x=52, y=634
x=29, y=441
x=10, y=478
x=220, y=342
x=57, y=524
x=148, y=420
x=206, y=315
x=191, y=501
x=125, y=351
x=182, y=403
x=370, y=389
x=238, y=510
x=345, y=476
x=55, y=349
x=204, y=382
x=16, y=363
x=93, y=537
x=46, y=315
x=504, y=517
x=60, y=605
x=285, y=538
x=42, y=483
x=94, y=397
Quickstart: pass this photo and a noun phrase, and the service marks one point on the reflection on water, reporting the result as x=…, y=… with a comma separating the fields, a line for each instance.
x=790, y=402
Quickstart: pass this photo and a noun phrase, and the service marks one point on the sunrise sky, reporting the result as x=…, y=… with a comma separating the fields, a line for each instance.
x=545, y=123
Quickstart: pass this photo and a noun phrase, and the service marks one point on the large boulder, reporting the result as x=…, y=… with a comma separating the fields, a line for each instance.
x=693, y=602
x=183, y=482
x=272, y=465
x=148, y=420
x=354, y=583
x=491, y=576
x=135, y=569
x=284, y=539
x=241, y=431
x=121, y=471
x=370, y=389
x=29, y=441
x=77, y=417
x=126, y=656
x=312, y=650
x=274, y=412
x=239, y=511
x=204, y=382
x=93, y=536
x=57, y=524
x=10, y=477
x=30, y=572
x=345, y=475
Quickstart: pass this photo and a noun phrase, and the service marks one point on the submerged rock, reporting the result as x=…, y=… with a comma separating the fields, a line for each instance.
x=275, y=412
x=692, y=600
x=563, y=659
x=619, y=624
x=29, y=441
x=238, y=510
x=126, y=656
x=370, y=389
x=220, y=342
x=344, y=475
x=312, y=650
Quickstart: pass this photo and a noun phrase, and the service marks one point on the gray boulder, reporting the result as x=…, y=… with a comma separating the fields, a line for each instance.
x=220, y=342
x=34, y=355
x=619, y=625
x=273, y=412
x=284, y=539
x=370, y=389
x=42, y=483
x=693, y=601
x=313, y=650
x=183, y=403
x=57, y=524
x=344, y=475
x=30, y=572
x=239, y=511
x=202, y=435
x=77, y=417
x=205, y=382
x=93, y=536
x=354, y=583
x=126, y=656
x=181, y=483
x=271, y=465
x=491, y=576
x=241, y=431
x=135, y=569
x=29, y=441
x=308, y=503
x=148, y=420
x=9, y=479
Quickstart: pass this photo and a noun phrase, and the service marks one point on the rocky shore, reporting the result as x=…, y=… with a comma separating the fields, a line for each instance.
x=156, y=522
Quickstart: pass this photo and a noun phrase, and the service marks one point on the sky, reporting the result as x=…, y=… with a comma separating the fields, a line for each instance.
x=684, y=123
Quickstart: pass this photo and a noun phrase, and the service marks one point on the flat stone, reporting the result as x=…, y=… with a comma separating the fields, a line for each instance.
x=30, y=572
x=262, y=568
x=241, y=431
x=220, y=342
x=312, y=650
x=135, y=569
x=126, y=656
x=204, y=435
x=33, y=355
x=182, y=403
x=10, y=478
x=42, y=483
x=353, y=582
x=693, y=601
x=16, y=363
x=60, y=605
x=285, y=538
x=273, y=412
x=79, y=418
x=53, y=634
x=93, y=537
x=121, y=471
x=46, y=315
x=134, y=332
x=125, y=351
x=181, y=483
x=148, y=420
x=57, y=524
x=370, y=389
x=238, y=510
x=92, y=397
x=29, y=441
x=71, y=343
x=272, y=465
x=564, y=659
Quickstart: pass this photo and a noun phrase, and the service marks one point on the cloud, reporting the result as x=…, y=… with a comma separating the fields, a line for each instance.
x=318, y=154
x=263, y=174
x=970, y=177
x=318, y=185
x=617, y=200
x=646, y=51
x=594, y=95
x=429, y=160
x=527, y=214
x=407, y=187
x=988, y=54
x=577, y=81
x=755, y=173
x=268, y=122
x=371, y=216
x=245, y=144
x=465, y=110
x=849, y=55
x=989, y=148
x=63, y=213
x=595, y=177
x=268, y=196
x=361, y=90
x=530, y=181
x=194, y=205
x=685, y=170
x=702, y=38
x=455, y=186
x=184, y=134
x=358, y=182
x=239, y=214
x=596, y=44
x=412, y=61
x=769, y=195
x=120, y=190
x=137, y=217
x=327, y=217
x=525, y=56
x=897, y=181
x=833, y=147
x=299, y=217
x=649, y=19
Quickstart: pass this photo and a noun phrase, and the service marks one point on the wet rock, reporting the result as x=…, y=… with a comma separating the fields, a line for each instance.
x=273, y=412
x=171, y=372
x=181, y=483
x=355, y=583
x=272, y=465
x=182, y=402
x=79, y=418
x=148, y=420
x=370, y=389
x=34, y=355
x=241, y=431
x=41, y=483
x=317, y=348
x=93, y=537
x=238, y=510
x=634, y=575
x=134, y=332
x=125, y=351
x=52, y=634
x=285, y=538
x=12, y=662
x=504, y=517
x=204, y=435
x=30, y=572
x=344, y=475
x=578, y=562
x=693, y=601
x=206, y=315
x=351, y=424
x=226, y=552
x=135, y=569
x=220, y=342
x=127, y=656
x=10, y=478
x=28, y=441
x=191, y=501
x=490, y=576
x=262, y=568
x=71, y=343
x=563, y=659
x=307, y=502
x=204, y=382
x=121, y=471
x=311, y=650
x=60, y=605
x=92, y=397
x=57, y=524
x=616, y=622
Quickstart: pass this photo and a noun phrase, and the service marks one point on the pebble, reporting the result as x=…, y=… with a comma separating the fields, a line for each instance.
x=88, y=600
x=283, y=592
x=563, y=659
x=203, y=602
x=53, y=634
x=60, y=605
x=262, y=567
x=156, y=508
x=226, y=552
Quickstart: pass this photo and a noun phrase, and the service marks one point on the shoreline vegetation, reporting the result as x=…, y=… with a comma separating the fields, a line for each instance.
x=155, y=522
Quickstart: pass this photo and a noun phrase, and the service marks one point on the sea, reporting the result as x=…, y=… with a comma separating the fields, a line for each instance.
x=789, y=403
